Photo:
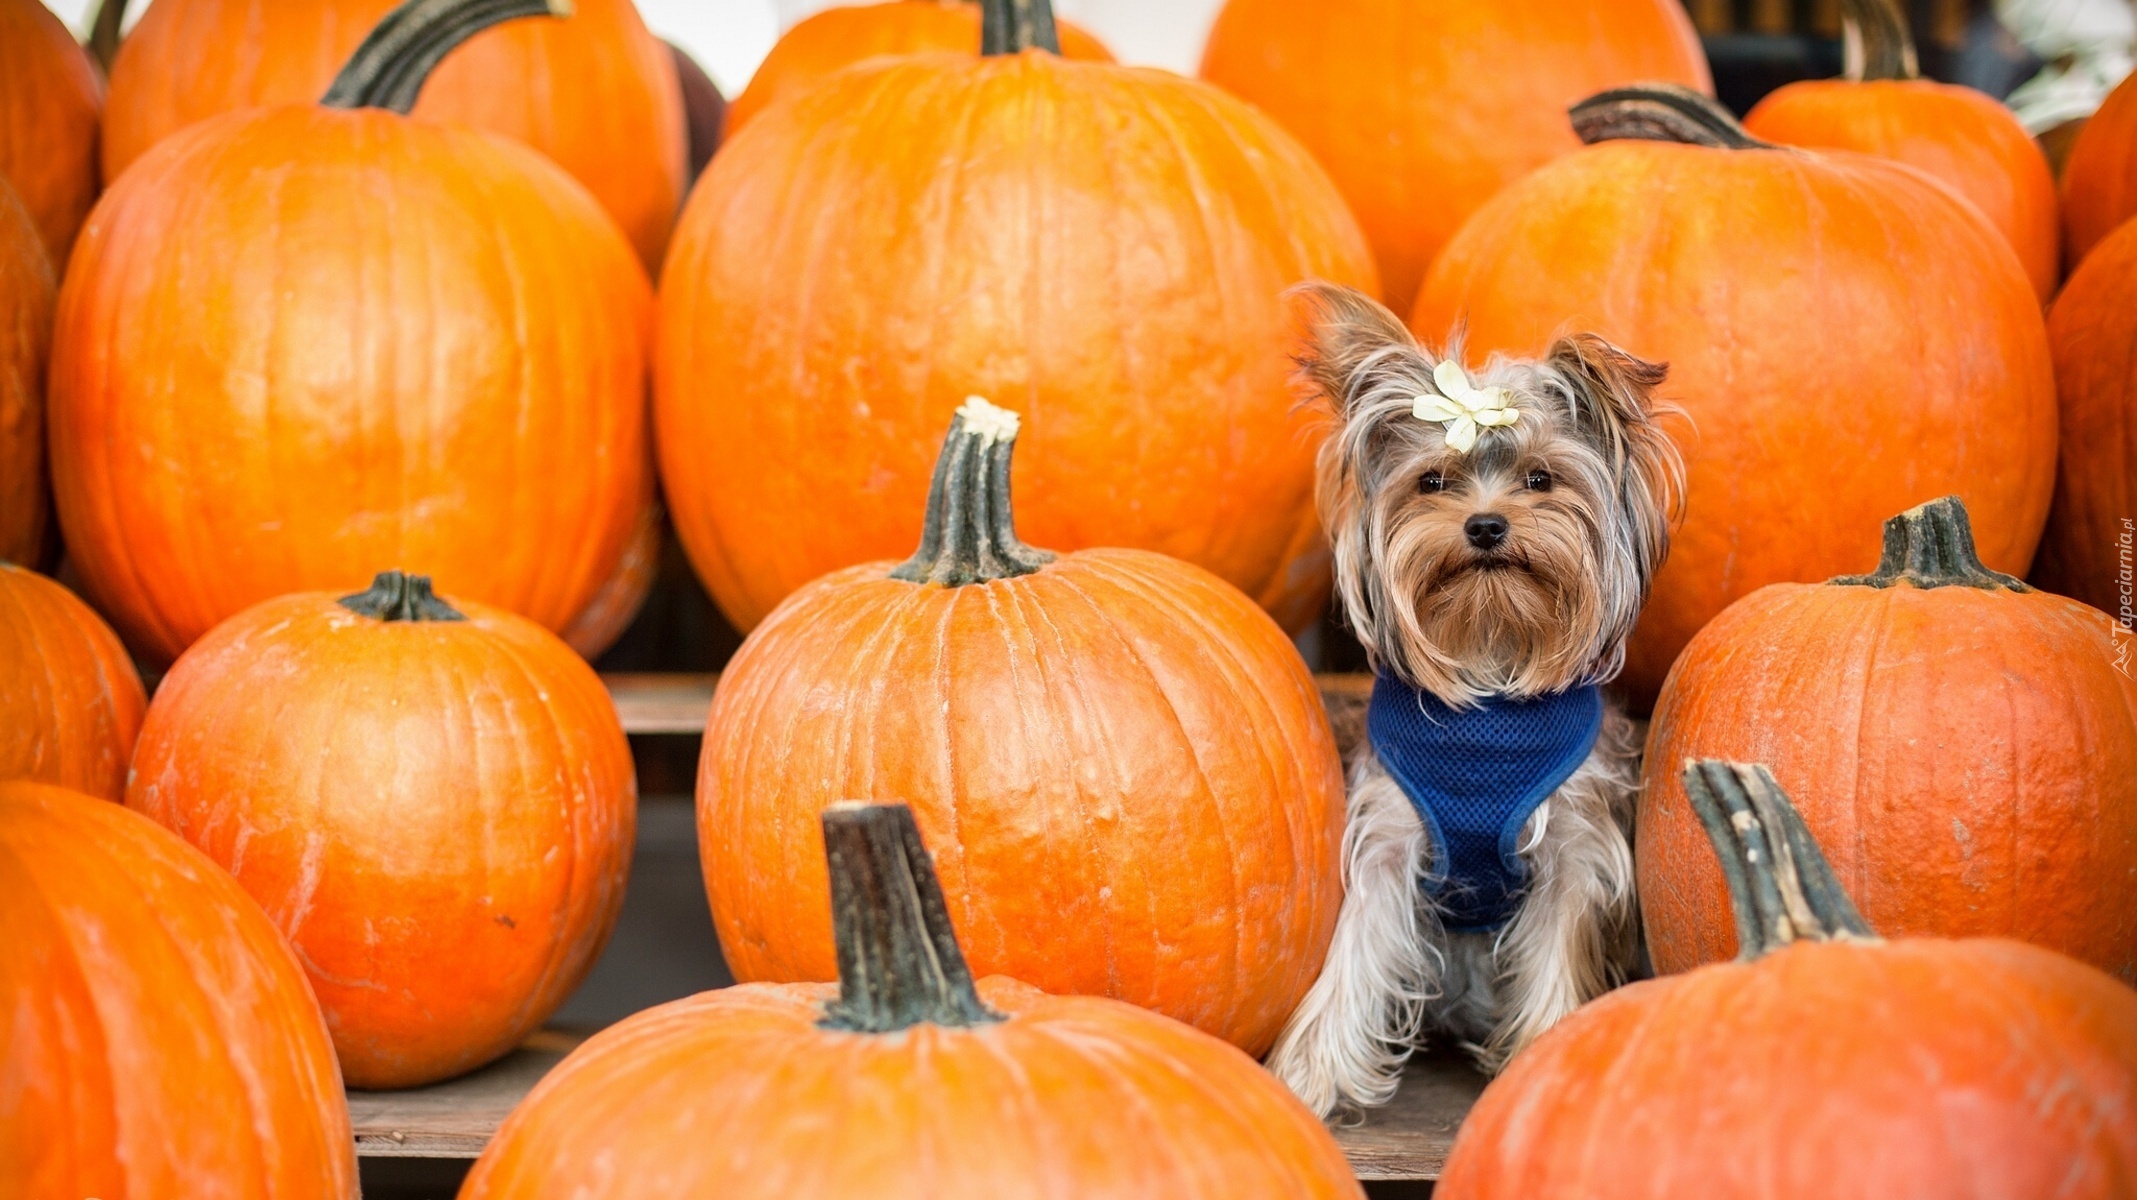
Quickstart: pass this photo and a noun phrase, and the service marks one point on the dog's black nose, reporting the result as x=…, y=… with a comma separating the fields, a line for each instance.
x=1485, y=530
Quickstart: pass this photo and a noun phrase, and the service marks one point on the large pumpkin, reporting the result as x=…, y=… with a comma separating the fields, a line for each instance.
x=1958, y=136
x=435, y=806
x=2092, y=530
x=842, y=36
x=50, y=99
x=597, y=93
x=1106, y=245
x=1123, y=762
x=25, y=342
x=298, y=342
x=1965, y=745
x=160, y=1041
x=2100, y=178
x=905, y=1081
x=1824, y=1062
x=1422, y=109
x=70, y=700
x=1847, y=338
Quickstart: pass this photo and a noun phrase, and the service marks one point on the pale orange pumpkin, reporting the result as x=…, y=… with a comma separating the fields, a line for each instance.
x=70, y=700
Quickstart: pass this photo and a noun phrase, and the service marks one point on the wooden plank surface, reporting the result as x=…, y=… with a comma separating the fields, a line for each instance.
x=1408, y=1139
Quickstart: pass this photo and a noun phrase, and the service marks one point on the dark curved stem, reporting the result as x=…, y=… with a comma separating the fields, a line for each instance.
x=104, y=32
x=1932, y=546
x=389, y=69
x=393, y=596
x=1014, y=26
x=1781, y=889
x=1876, y=41
x=970, y=534
x=1660, y=112
x=898, y=959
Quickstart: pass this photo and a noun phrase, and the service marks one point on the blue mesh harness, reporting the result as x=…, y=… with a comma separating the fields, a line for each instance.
x=1475, y=775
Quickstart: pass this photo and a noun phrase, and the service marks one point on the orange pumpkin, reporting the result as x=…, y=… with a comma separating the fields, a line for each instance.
x=617, y=604
x=160, y=1039
x=50, y=99
x=597, y=93
x=1107, y=245
x=904, y=1080
x=1956, y=135
x=1125, y=763
x=1840, y=331
x=300, y=341
x=1423, y=109
x=1824, y=1062
x=25, y=341
x=434, y=806
x=842, y=36
x=2093, y=332
x=2100, y=178
x=1967, y=747
x=70, y=700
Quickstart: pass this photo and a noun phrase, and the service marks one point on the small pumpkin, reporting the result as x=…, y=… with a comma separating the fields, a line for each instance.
x=2093, y=332
x=299, y=341
x=1966, y=745
x=51, y=97
x=160, y=1039
x=843, y=35
x=434, y=803
x=1825, y=316
x=1422, y=109
x=26, y=299
x=1109, y=245
x=70, y=700
x=2100, y=177
x=905, y=1080
x=1823, y=1062
x=1125, y=763
x=1958, y=136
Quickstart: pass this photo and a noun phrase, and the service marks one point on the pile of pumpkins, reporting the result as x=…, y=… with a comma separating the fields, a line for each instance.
x=323, y=292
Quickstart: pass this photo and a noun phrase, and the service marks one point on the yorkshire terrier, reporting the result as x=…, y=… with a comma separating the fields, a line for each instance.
x=1494, y=537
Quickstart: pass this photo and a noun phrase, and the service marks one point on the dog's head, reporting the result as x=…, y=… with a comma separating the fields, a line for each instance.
x=1499, y=540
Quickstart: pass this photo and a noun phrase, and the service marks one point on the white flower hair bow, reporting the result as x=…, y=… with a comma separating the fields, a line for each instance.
x=1462, y=407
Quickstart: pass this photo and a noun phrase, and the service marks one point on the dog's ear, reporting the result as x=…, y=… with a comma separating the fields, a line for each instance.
x=1347, y=334
x=1615, y=406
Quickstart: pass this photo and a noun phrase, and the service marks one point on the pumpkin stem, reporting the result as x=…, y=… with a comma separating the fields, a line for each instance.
x=970, y=535
x=1875, y=41
x=1660, y=112
x=898, y=959
x=1932, y=546
x=104, y=29
x=389, y=69
x=1014, y=26
x=1780, y=886
x=393, y=596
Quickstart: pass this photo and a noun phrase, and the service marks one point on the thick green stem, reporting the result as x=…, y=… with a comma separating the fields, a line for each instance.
x=389, y=69
x=104, y=30
x=1876, y=43
x=1932, y=546
x=1660, y=112
x=1014, y=26
x=898, y=960
x=393, y=596
x=970, y=532
x=1780, y=886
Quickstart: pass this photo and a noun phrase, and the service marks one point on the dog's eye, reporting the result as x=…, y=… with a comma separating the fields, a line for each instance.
x=1432, y=481
x=1539, y=481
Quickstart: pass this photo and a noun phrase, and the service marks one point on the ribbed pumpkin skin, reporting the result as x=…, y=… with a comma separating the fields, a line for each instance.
x=1956, y=135
x=2100, y=178
x=1843, y=335
x=1967, y=758
x=26, y=299
x=840, y=37
x=2093, y=332
x=596, y=92
x=438, y=815
x=70, y=700
x=50, y=100
x=300, y=343
x=1984, y=1068
x=1102, y=248
x=1121, y=766
x=618, y=602
x=1422, y=109
x=738, y=1094
x=160, y=1039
